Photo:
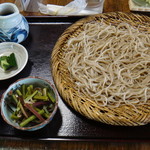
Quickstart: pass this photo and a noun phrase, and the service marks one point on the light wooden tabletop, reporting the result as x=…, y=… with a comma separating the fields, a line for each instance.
x=109, y=6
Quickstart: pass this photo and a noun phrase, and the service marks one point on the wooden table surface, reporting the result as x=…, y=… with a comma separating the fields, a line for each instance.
x=109, y=6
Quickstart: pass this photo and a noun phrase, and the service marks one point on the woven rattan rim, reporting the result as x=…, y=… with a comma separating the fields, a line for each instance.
x=124, y=115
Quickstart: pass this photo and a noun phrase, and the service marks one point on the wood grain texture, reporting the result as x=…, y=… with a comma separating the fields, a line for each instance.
x=109, y=5
x=115, y=5
x=30, y=145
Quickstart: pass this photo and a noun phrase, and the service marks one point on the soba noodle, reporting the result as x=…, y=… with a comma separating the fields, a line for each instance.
x=110, y=64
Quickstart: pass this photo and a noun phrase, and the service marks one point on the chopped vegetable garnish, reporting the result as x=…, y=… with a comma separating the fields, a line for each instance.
x=8, y=62
x=32, y=104
x=28, y=106
x=31, y=118
x=51, y=96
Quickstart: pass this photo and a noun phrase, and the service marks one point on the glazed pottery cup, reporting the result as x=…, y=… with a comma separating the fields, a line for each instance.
x=13, y=26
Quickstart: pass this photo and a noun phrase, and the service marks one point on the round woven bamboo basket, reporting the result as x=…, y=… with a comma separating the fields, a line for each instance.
x=124, y=115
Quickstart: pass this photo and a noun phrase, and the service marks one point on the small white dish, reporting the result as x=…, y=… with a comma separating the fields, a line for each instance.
x=21, y=54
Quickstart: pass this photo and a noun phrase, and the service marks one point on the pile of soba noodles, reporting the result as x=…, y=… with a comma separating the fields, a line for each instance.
x=110, y=64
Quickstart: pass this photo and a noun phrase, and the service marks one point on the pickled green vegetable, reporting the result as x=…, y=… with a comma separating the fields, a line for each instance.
x=8, y=62
x=32, y=104
x=31, y=118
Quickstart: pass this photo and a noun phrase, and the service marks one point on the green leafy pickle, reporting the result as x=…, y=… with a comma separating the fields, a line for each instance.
x=8, y=62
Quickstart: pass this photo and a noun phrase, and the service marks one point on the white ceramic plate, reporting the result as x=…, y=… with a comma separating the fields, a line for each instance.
x=6, y=48
x=141, y=3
